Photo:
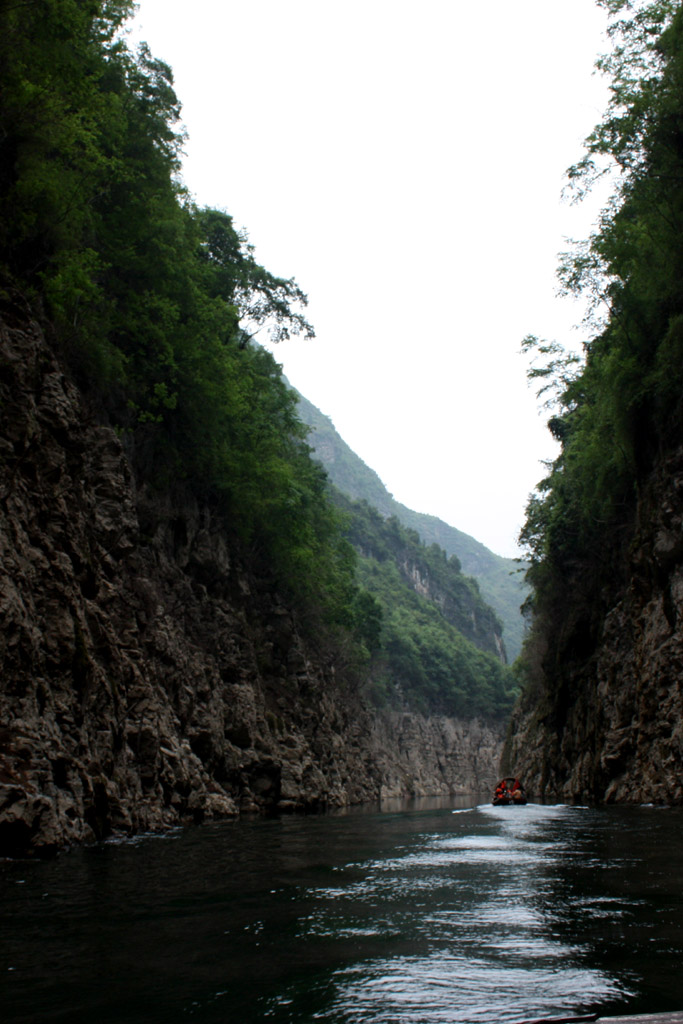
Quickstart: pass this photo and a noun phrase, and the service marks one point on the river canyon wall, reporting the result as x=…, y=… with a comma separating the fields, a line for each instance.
x=606, y=721
x=149, y=677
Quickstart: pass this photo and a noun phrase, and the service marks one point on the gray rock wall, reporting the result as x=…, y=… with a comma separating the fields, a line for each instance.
x=147, y=677
x=435, y=756
x=609, y=726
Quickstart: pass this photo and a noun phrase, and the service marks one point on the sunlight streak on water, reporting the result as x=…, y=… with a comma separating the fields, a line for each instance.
x=474, y=928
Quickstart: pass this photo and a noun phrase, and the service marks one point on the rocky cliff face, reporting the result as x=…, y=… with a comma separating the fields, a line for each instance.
x=148, y=677
x=474, y=619
x=609, y=724
x=434, y=756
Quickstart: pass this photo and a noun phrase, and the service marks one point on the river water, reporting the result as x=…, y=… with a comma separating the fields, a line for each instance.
x=419, y=915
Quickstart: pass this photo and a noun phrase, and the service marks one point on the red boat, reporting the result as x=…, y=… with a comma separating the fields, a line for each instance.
x=509, y=791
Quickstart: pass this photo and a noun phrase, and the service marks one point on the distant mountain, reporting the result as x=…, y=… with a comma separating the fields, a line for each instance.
x=500, y=579
x=436, y=645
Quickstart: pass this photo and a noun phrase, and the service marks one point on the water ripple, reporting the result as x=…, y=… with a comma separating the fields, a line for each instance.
x=439, y=988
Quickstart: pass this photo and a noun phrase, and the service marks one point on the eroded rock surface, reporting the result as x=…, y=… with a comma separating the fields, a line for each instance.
x=610, y=725
x=147, y=677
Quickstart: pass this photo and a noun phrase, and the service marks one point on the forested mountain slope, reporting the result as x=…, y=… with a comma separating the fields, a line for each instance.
x=440, y=646
x=601, y=716
x=500, y=579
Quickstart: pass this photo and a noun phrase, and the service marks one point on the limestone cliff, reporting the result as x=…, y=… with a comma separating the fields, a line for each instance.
x=462, y=608
x=149, y=677
x=607, y=723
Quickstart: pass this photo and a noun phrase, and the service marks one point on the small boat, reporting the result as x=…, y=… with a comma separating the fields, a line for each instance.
x=509, y=791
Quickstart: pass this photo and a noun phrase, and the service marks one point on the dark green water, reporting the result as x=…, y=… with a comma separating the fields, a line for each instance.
x=412, y=917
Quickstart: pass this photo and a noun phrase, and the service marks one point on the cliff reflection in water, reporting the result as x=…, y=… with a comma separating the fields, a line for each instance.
x=419, y=915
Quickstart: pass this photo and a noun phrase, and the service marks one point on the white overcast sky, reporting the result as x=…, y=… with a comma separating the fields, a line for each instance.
x=404, y=161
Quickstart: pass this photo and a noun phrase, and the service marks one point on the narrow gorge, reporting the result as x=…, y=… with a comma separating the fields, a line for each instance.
x=210, y=606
